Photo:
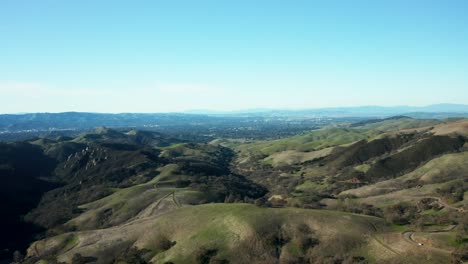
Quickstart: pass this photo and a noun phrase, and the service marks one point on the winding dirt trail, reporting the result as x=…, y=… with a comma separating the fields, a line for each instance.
x=408, y=237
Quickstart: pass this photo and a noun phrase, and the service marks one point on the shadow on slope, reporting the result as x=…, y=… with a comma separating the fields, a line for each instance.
x=24, y=174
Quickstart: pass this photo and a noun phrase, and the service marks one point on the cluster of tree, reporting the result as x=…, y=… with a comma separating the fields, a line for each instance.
x=307, y=200
x=405, y=213
x=277, y=237
x=410, y=158
x=134, y=255
x=428, y=204
x=401, y=213
x=339, y=259
x=462, y=229
x=460, y=255
x=454, y=191
x=205, y=255
x=348, y=205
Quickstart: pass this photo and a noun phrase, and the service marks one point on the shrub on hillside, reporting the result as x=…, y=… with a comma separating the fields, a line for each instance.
x=402, y=213
x=208, y=256
x=305, y=237
x=161, y=243
x=79, y=259
x=460, y=255
x=262, y=202
x=453, y=192
x=359, y=208
x=134, y=255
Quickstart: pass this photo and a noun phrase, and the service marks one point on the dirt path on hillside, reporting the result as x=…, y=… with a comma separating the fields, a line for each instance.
x=408, y=237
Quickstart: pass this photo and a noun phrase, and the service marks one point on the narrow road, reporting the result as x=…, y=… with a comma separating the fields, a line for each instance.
x=408, y=236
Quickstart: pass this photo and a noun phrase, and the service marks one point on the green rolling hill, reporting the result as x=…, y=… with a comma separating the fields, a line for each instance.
x=368, y=192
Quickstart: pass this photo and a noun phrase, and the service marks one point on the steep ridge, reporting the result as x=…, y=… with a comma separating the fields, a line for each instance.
x=382, y=156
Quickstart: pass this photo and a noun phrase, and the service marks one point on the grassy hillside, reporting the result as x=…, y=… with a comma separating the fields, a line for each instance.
x=120, y=174
x=237, y=233
x=439, y=170
x=369, y=192
x=410, y=172
x=311, y=141
x=397, y=124
x=302, y=148
x=354, y=156
x=107, y=177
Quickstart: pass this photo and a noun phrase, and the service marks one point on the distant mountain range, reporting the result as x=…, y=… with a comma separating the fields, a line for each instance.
x=211, y=119
x=434, y=111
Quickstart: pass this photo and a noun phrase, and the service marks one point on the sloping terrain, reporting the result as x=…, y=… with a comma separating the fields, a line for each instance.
x=412, y=173
x=383, y=191
x=372, y=157
x=223, y=233
x=24, y=170
x=112, y=164
x=118, y=174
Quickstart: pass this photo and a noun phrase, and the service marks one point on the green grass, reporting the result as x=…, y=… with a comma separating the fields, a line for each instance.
x=436, y=173
x=223, y=225
x=399, y=124
x=310, y=186
x=449, y=238
x=400, y=228
x=332, y=136
x=71, y=242
x=411, y=195
x=239, y=232
x=430, y=212
x=442, y=168
x=312, y=141
x=293, y=249
x=290, y=157
x=363, y=168
x=296, y=149
x=126, y=203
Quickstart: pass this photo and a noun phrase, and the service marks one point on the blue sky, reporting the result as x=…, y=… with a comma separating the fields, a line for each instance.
x=159, y=56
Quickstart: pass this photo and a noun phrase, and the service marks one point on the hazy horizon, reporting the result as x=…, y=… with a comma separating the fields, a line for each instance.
x=434, y=108
x=177, y=56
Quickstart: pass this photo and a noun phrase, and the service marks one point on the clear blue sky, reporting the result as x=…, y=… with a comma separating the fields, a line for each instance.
x=157, y=56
